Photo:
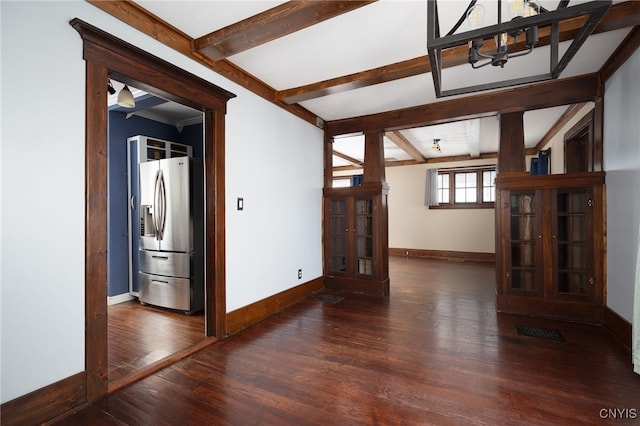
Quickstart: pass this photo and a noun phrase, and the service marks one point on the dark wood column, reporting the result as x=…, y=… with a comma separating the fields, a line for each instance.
x=373, y=157
x=598, y=129
x=328, y=160
x=511, y=151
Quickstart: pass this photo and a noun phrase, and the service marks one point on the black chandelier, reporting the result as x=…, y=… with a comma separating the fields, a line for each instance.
x=506, y=38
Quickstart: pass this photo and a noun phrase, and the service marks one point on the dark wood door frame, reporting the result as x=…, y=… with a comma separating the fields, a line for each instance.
x=579, y=142
x=107, y=56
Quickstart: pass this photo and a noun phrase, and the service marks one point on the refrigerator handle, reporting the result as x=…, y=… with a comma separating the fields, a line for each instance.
x=156, y=205
x=132, y=202
x=163, y=214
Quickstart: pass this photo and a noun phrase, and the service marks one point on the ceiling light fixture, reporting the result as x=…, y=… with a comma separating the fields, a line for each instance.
x=436, y=146
x=526, y=17
x=110, y=88
x=125, y=98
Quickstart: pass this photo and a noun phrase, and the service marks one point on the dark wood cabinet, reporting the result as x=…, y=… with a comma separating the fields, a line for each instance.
x=356, y=253
x=550, y=246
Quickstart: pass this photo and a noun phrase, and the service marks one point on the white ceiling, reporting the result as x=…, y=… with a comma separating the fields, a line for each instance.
x=375, y=35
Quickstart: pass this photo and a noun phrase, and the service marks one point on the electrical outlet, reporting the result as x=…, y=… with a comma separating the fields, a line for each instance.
x=299, y=274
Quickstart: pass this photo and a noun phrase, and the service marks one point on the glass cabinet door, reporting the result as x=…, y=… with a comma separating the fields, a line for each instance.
x=572, y=277
x=338, y=249
x=364, y=236
x=523, y=271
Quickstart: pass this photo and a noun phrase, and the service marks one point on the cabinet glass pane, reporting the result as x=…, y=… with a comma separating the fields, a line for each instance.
x=364, y=236
x=563, y=228
x=522, y=203
x=572, y=255
x=338, y=207
x=364, y=207
x=572, y=283
x=364, y=225
x=578, y=202
x=563, y=203
x=365, y=266
x=338, y=236
x=338, y=246
x=523, y=242
x=578, y=228
x=563, y=256
x=579, y=257
x=338, y=225
x=524, y=280
x=523, y=254
x=338, y=263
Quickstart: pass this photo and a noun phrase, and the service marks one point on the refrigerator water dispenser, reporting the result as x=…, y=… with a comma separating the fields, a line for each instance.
x=146, y=221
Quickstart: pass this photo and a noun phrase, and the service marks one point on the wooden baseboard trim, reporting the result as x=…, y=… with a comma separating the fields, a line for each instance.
x=248, y=315
x=619, y=328
x=453, y=256
x=551, y=309
x=46, y=403
x=368, y=287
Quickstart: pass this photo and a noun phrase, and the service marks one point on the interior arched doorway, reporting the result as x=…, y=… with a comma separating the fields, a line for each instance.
x=107, y=56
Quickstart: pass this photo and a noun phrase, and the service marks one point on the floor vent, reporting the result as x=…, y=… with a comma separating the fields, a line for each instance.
x=540, y=333
x=328, y=298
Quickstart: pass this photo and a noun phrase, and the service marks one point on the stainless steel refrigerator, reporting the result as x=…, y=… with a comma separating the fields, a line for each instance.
x=170, y=257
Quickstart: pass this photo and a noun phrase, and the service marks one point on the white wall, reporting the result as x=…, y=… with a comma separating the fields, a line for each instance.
x=622, y=165
x=413, y=225
x=274, y=161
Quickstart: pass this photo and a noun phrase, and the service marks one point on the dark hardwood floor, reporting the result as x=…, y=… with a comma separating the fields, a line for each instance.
x=139, y=336
x=434, y=352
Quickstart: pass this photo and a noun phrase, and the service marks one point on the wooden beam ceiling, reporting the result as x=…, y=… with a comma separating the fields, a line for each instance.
x=534, y=96
x=406, y=145
x=137, y=17
x=348, y=159
x=234, y=38
x=269, y=25
x=619, y=16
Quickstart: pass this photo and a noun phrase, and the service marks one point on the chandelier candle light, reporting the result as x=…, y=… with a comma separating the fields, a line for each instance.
x=523, y=17
x=519, y=9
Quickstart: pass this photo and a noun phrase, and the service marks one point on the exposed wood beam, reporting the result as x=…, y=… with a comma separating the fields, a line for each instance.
x=345, y=83
x=349, y=159
x=447, y=159
x=404, y=144
x=620, y=15
x=269, y=25
x=137, y=17
x=630, y=44
x=529, y=97
x=559, y=124
x=472, y=128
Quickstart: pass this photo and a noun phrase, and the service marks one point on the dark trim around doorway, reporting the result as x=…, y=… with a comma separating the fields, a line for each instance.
x=107, y=56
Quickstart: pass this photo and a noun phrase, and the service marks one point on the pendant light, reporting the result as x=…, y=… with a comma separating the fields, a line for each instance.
x=125, y=98
x=504, y=40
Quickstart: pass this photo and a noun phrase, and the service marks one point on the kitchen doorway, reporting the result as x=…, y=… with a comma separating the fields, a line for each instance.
x=109, y=57
x=141, y=334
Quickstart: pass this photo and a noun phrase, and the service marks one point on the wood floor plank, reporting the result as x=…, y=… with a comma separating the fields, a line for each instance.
x=434, y=352
x=140, y=335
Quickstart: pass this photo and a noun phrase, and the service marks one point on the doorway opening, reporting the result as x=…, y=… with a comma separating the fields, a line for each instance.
x=109, y=57
x=153, y=131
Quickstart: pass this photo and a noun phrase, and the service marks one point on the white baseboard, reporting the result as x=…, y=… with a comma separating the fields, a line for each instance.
x=119, y=298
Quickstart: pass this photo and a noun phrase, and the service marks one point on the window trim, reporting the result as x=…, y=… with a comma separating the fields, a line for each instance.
x=479, y=188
